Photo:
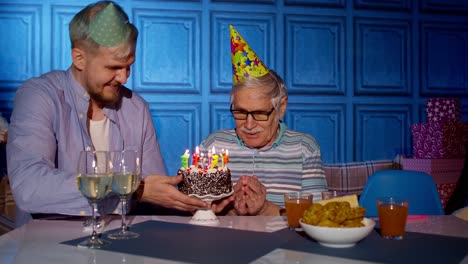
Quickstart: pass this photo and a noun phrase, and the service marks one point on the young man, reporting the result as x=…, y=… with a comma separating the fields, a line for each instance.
x=61, y=113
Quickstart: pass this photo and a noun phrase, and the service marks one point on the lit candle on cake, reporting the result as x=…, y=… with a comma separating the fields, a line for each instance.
x=202, y=160
x=184, y=159
x=223, y=152
x=210, y=158
x=215, y=158
x=225, y=157
x=196, y=156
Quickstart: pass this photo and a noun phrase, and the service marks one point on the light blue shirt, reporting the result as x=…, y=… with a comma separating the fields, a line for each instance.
x=292, y=163
x=47, y=132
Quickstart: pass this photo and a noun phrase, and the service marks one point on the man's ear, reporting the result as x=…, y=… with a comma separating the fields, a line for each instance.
x=78, y=58
x=283, y=105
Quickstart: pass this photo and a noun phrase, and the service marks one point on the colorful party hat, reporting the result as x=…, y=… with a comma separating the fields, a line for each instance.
x=108, y=27
x=245, y=62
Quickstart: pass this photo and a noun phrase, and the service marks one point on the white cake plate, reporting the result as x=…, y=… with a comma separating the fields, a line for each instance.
x=207, y=216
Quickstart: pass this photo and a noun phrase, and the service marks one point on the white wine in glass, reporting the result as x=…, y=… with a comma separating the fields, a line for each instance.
x=125, y=183
x=94, y=182
x=126, y=176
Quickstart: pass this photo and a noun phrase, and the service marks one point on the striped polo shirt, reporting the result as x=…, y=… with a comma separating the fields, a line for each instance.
x=292, y=163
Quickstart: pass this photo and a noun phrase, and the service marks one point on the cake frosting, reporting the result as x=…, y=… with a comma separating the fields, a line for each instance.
x=205, y=181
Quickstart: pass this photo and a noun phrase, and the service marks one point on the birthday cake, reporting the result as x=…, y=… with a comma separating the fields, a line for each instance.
x=205, y=176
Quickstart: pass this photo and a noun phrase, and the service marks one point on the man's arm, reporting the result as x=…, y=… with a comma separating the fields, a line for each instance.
x=313, y=176
x=156, y=188
x=37, y=185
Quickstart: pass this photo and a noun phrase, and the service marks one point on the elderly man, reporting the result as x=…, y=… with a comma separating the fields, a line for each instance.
x=87, y=107
x=266, y=159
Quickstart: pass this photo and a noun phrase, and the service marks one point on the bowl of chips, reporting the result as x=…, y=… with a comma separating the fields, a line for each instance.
x=336, y=224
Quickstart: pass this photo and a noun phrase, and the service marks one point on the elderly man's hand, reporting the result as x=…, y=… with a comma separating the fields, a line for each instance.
x=161, y=190
x=3, y=136
x=250, y=196
x=220, y=205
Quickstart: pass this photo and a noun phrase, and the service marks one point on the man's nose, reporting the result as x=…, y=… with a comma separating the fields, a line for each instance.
x=122, y=76
x=250, y=122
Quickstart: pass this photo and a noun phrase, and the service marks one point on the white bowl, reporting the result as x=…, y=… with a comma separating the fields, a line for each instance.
x=338, y=237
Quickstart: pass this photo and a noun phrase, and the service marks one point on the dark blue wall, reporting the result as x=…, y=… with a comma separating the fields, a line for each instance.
x=358, y=72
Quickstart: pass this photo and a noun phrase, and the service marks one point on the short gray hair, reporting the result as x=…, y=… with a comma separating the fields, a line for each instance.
x=79, y=27
x=270, y=85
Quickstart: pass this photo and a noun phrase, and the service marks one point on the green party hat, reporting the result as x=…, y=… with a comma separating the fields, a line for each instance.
x=108, y=27
x=245, y=62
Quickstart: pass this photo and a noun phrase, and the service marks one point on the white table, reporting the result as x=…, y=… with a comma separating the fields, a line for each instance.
x=39, y=241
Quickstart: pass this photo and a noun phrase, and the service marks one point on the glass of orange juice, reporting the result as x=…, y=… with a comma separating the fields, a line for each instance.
x=296, y=203
x=393, y=212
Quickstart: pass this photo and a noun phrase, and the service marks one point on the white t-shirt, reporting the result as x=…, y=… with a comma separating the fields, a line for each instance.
x=99, y=132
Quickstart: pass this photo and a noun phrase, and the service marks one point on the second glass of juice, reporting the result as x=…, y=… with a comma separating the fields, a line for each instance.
x=393, y=212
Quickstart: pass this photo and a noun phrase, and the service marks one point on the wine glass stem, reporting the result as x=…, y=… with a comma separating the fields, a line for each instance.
x=124, y=212
x=95, y=213
x=94, y=223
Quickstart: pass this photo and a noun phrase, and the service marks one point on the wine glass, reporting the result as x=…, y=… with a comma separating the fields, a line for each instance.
x=94, y=182
x=126, y=174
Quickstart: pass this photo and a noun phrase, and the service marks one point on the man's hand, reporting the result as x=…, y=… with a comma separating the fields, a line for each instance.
x=161, y=190
x=220, y=205
x=3, y=136
x=250, y=196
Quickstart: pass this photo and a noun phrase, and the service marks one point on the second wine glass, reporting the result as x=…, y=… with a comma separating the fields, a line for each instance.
x=126, y=175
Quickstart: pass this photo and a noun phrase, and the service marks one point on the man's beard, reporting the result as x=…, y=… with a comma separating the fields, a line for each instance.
x=106, y=101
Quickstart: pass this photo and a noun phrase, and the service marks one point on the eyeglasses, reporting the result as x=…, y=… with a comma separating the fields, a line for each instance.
x=256, y=115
